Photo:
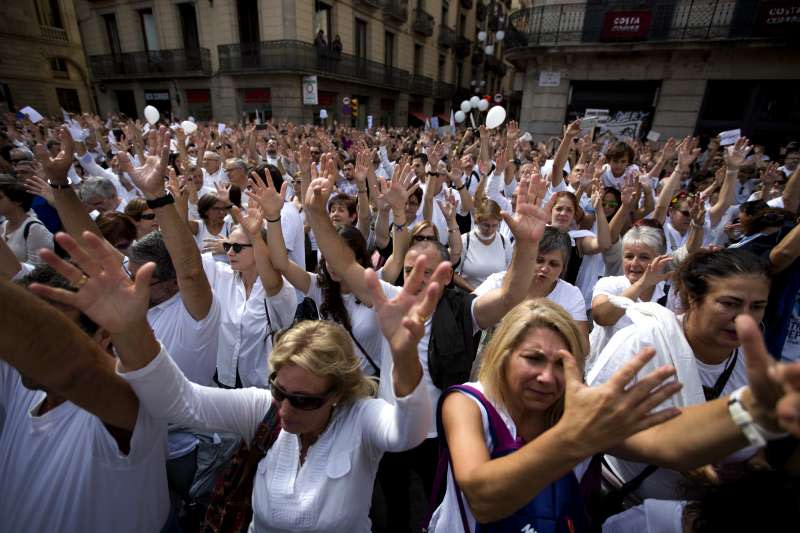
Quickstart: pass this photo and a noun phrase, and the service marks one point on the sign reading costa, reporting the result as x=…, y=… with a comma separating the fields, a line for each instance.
x=626, y=25
x=776, y=18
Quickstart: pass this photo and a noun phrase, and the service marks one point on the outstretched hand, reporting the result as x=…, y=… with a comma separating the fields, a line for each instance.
x=105, y=292
x=270, y=199
x=56, y=168
x=529, y=220
x=149, y=177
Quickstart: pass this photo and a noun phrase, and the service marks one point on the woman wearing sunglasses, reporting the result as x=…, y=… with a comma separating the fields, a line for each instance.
x=319, y=473
x=143, y=217
x=255, y=301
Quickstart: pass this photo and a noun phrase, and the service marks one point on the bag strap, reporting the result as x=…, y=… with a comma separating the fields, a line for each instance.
x=712, y=393
x=466, y=251
x=27, y=229
x=270, y=331
x=375, y=367
x=633, y=484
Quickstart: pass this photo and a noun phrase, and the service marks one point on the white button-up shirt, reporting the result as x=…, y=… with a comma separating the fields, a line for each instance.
x=245, y=339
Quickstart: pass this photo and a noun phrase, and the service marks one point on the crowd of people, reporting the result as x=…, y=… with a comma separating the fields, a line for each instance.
x=280, y=327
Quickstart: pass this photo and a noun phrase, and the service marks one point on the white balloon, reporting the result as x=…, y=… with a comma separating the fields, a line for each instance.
x=500, y=35
x=460, y=116
x=483, y=105
x=489, y=49
x=466, y=106
x=473, y=102
x=189, y=127
x=473, y=83
x=151, y=114
x=483, y=82
x=481, y=36
x=495, y=117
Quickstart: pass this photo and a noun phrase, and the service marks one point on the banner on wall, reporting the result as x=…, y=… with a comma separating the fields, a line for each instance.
x=310, y=90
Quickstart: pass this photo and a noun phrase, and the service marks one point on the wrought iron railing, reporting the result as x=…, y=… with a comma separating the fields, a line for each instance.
x=54, y=34
x=396, y=9
x=421, y=85
x=659, y=20
x=299, y=56
x=423, y=22
x=447, y=36
x=154, y=63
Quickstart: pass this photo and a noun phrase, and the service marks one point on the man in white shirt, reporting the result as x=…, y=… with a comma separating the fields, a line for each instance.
x=212, y=169
x=99, y=195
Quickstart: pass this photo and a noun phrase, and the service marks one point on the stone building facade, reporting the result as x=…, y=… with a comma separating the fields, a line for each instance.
x=42, y=64
x=677, y=67
x=402, y=61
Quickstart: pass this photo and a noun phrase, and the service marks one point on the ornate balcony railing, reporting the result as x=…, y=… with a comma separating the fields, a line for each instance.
x=447, y=36
x=423, y=22
x=658, y=21
x=299, y=56
x=370, y=3
x=54, y=34
x=152, y=64
x=421, y=85
x=396, y=10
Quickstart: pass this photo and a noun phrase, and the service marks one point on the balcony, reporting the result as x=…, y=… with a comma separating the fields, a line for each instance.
x=423, y=22
x=661, y=22
x=53, y=34
x=480, y=11
x=305, y=58
x=444, y=90
x=153, y=64
x=463, y=46
x=369, y=3
x=466, y=4
x=447, y=36
x=396, y=11
x=421, y=85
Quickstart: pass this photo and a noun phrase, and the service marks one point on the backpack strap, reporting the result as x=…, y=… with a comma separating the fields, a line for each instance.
x=466, y=251
x=375, y=367
x=26, y=230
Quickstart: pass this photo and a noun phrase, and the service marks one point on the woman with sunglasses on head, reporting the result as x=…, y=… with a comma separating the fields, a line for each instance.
x=332, y=434
x=142, y=216
x=256, y=302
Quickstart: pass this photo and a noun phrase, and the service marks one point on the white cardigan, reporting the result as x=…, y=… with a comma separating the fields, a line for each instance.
x=332, y=489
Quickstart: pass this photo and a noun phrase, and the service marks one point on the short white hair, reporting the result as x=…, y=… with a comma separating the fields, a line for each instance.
x=646, y=236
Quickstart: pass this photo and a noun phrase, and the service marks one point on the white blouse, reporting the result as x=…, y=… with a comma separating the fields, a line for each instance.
x=332, y=489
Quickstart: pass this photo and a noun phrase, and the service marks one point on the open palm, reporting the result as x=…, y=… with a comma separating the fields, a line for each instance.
x=150, y=176
x=108, y=296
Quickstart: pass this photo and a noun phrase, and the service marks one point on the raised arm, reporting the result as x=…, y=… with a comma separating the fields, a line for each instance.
x=687, y=153
x=252, y=224
x=560, y=159
x=363, y=161
x=735, y=157
x=271, y=202
x=527, y=224
x=601, y=243
x=149, y=178
x=786, y=252
x=791, y=192
x=394, y=196
x=607, y=314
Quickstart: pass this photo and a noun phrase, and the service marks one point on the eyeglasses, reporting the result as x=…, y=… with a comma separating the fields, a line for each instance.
x=147, y=216
x=304, y=402
x=421, y=238
x=687, y=214
x=237, y=247
x=610, y=203
x=433, y=173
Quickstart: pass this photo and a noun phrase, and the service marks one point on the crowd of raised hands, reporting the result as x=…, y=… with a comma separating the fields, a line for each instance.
x=621, y=299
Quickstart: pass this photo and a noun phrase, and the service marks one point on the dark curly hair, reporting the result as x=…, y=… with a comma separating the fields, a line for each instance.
x=694, y=275
x=332, y=306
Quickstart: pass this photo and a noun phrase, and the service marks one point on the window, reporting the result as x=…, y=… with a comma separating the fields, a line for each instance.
x=112, y=33
x=445, y=9
x=388, y=49
x=247, y=11
x=361, y=39
x=48, y=13
x=149, y=33
x=462, y=25
x=417, y=59
x=59, y=67
x=68, y=100
x=440, y=68
x=322, y=20
x=188, y=17
x=459, y=74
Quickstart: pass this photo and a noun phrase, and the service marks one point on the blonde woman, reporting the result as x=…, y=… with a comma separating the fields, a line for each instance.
x=319, y=473
x=519, y=439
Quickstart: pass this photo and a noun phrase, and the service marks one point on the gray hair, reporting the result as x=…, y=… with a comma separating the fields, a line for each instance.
x=149, y=248
x=439, y=247
x=237, y=163
x=556, y=240
x=96, y=187
x=646, y=236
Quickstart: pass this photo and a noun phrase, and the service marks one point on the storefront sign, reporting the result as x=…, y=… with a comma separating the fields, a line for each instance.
x=778, y=18
x=547, y=78
x=626, y=25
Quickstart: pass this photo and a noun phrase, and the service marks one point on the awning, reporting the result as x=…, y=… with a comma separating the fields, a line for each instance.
x=418, y=116
x=444, y=120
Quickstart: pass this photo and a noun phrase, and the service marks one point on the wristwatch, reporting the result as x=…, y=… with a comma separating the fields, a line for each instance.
x=161, y=201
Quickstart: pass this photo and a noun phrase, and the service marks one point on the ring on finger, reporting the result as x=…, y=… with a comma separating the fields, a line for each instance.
x=81, y=282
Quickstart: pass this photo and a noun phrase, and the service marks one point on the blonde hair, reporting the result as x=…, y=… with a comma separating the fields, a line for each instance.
x=418, y=228
x=512, y=330
x=323, y=348
x=487, y=209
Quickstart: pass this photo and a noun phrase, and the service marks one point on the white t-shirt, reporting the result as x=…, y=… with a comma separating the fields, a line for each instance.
x=479, y=260
x=652, y=516
x=363, y=322
x=204, y=234
x=192, y=343
x=27, y=250
x=63, y=471
x=332, y=489
x=245, y=334
x=613, y=286
x=564, y=294
x=293, y=233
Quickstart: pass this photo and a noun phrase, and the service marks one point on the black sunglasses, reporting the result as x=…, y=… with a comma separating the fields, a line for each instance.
x=420, y=238
x=304, y=402
x=685, y=213
x=237, y=246
x=147, y=216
